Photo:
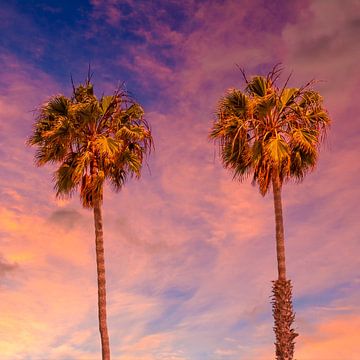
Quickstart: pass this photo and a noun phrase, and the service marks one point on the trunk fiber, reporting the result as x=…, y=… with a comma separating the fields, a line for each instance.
x=100, y=265
x=282, y=298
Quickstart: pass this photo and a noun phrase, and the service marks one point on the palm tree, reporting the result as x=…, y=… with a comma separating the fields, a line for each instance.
x=272, y=133
x=92, y=140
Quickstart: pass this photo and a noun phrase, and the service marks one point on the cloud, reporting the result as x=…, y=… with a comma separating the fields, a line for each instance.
x=68, y=218
x=190, y=254
x=332, y=339
x=322, y=45
x=6, y=267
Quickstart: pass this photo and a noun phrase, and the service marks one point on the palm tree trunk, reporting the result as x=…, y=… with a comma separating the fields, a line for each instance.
x=282, y=297
x=280, y=241
x=100, y=265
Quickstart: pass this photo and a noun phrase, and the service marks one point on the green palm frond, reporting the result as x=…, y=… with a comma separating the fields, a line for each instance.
x=235, y=103
x=257, y=152
x=301, y=163
x=56, y=106
x=277, y=150
x=84, y=94
x=310, y=97
x=49, y=120
x=107, y=104
x=132, y=162
x=288, y=97
x=64, y=181
x=51, y=153
x=306, y=139
x=106, y=146
x=263, y=106
x=117, y=177
x=262, y=176
x=86, y=113
x=131, y=133
x=258, y=86
x=92, y=141
x=134, y=112
x=69, y=175
x=268, y=130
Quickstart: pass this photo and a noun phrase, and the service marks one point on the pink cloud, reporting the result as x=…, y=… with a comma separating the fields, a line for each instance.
x=187, y=226
x=334, y=339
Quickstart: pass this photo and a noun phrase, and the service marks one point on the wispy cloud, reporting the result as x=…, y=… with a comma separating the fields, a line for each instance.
x=190, y=253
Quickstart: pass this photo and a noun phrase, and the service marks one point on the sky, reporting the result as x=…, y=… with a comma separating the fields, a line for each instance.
x=190, y=253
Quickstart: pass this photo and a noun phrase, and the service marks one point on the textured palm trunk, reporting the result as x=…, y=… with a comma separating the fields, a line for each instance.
x=282, y=298
x=100, y=265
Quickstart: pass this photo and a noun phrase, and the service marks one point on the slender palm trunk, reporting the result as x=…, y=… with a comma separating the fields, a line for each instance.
x=282, y=298
x=280, y=241
x=100, y=265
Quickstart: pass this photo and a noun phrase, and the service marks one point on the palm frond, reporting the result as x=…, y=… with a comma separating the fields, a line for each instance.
x=106, y=146
x=132, y=133
x=270, y=130
x=107, y=104
x=50, y=153
x=132, y=162
x=117, y=177
x=55, y=107
x=234, y=103
x=64, y=181
x=258, y=86
x=287, y=97
x=305, y=138
x=277, y=150
x=92, y=141
x=301, y=163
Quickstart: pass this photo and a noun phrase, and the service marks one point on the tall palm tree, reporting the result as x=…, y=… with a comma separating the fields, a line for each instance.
x=92, y=140
x=272, y=133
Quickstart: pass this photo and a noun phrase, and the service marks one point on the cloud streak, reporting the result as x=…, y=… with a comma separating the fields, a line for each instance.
x=190, y=253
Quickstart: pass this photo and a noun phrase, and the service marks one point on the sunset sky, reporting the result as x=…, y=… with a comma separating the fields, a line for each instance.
x=190, y=254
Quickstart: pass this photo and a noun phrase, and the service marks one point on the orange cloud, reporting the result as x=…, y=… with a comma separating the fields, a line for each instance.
x=337, y=338
x=190, y=253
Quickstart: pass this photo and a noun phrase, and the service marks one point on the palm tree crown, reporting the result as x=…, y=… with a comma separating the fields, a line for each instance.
x=93, y=139
x=266, y=130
